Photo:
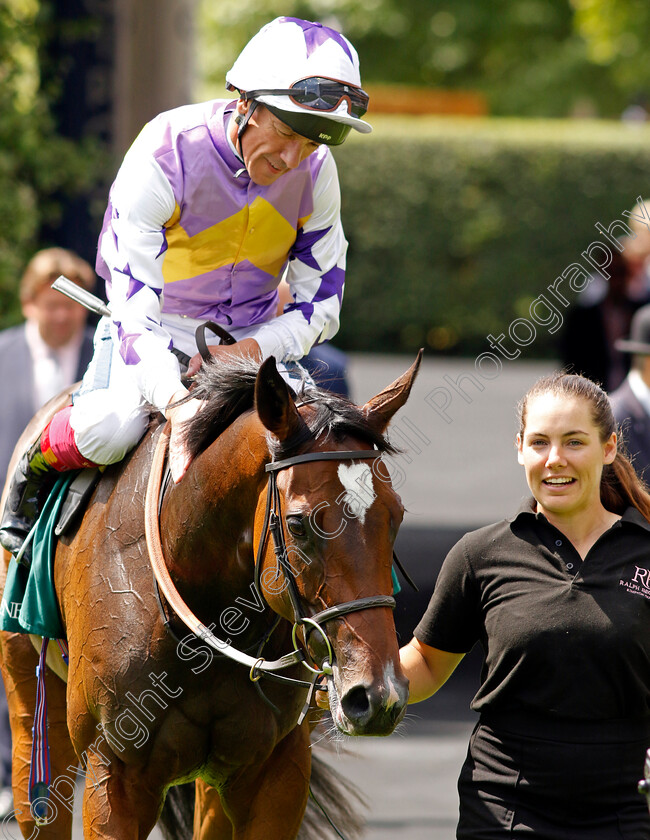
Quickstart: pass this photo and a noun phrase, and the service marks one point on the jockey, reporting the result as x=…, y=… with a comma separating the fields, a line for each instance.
x=212, y=205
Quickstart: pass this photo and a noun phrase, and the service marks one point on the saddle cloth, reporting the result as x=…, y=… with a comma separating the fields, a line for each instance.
x=29, y=602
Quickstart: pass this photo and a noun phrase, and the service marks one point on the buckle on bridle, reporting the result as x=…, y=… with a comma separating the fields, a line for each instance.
x=326, y=667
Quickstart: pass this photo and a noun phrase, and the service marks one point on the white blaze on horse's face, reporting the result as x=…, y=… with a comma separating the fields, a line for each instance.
x=360, y=492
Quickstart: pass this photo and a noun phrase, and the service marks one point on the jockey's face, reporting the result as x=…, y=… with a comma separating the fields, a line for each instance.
x=59, y=319
x=269, y=147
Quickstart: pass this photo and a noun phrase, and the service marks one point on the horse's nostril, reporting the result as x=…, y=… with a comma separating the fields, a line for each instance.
x=356, y=703
x=371, y=711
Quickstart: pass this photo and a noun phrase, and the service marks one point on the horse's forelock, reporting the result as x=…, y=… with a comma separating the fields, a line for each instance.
x=228, y=389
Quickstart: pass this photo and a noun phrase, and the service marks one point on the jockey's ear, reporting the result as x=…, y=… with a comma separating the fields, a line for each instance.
x=274, y=403
x=381, y=408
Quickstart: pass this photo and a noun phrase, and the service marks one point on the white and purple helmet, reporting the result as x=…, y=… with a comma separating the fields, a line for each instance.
x=307, y=75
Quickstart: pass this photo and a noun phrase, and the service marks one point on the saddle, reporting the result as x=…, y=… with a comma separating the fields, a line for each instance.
x=78, y=493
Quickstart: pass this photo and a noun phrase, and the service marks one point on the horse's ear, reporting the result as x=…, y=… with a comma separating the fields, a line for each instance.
x=274, y=403
x=381, y=408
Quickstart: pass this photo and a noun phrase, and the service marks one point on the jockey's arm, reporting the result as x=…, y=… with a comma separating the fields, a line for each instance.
x=311, y=289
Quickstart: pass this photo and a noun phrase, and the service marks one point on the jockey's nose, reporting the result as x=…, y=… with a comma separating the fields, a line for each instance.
x=292, y=153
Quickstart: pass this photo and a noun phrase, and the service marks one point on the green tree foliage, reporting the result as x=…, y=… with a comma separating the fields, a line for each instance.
x=616, y=35
x=528, y=57
x=35, y=163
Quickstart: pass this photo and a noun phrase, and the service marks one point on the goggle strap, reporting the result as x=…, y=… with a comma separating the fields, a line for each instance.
x=345, y=92
x=242, y=123
x=253, y=94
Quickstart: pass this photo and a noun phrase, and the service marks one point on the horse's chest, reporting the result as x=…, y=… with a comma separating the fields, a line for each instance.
x=237, y=726
x=245, y=737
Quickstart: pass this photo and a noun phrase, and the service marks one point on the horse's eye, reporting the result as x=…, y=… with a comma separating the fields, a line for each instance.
x=296, y=526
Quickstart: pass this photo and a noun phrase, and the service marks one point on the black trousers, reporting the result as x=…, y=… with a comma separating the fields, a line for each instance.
x=570, y=782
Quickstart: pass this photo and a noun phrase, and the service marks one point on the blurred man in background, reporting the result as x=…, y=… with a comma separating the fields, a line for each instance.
x=50, y=350
x=602, y=314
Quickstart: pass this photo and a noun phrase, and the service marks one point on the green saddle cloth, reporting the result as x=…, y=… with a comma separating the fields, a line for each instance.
x=29, y=602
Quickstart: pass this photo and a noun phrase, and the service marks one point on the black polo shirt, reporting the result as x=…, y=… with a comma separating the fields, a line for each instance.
x=561, y=636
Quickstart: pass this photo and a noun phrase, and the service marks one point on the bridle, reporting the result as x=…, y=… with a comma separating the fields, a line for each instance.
x=273, y=525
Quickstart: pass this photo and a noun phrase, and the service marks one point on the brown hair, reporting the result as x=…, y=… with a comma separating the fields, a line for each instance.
x=620, y=486
x=46, y=265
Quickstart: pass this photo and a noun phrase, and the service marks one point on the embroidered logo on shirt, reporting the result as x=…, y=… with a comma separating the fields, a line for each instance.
x=640, y=583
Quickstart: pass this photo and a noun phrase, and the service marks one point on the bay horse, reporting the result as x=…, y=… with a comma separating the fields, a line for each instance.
x=149, y=705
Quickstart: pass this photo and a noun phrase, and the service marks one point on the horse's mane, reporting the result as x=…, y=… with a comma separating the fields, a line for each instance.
x=228, y=389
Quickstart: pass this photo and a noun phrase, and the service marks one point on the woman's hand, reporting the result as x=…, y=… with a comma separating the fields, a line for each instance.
x=322, y=700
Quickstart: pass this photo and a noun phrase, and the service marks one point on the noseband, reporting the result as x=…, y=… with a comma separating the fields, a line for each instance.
x=273, y=524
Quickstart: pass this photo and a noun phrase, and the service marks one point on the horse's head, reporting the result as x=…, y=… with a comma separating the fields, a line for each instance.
x=329, y=566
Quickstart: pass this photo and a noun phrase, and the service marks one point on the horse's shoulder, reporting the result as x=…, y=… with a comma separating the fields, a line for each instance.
x=145, y=448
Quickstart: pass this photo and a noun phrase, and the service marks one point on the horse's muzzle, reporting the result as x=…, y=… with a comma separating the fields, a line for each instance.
x=372, y=710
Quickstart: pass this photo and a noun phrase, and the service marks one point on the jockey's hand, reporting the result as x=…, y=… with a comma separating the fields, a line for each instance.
x=179, y=457
x=245, y=347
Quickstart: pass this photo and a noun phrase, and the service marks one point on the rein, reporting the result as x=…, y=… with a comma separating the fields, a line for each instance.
x=272, y=524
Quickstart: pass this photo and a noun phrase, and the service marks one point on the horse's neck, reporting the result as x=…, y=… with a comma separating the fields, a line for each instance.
x=207, y=519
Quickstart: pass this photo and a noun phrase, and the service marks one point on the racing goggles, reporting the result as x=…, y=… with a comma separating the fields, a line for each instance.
x=319, y=94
